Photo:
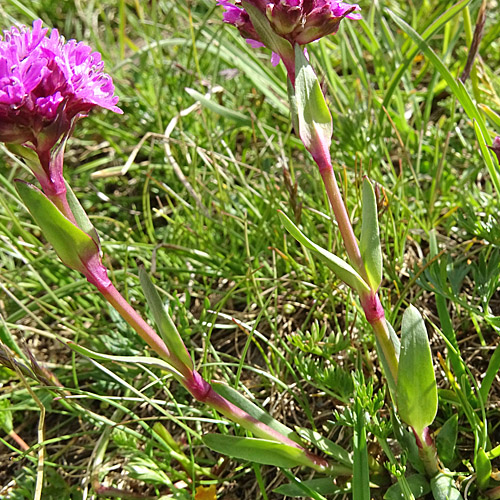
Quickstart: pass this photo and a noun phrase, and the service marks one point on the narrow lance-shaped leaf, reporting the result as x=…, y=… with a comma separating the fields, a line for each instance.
x=131, y=360
x=361, y=471
x=387, y=371
x=73, y=246
x=293, y=106
x=370, y=247
x=81, y=216
x=239, y=118
x=416, y=386
x=324, y=486
x=446, y=440
x=260, y=451
x=168, y=330
x=483, y=469
x=314, y=119
x=253, y=410
x=343, y=270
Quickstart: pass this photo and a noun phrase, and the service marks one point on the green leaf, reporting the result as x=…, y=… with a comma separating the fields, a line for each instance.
x=323, y=486
x=371, y=249
x=72, y=245
x=494, y=117
x=260, y=451
x=166, y=327
x=132, y=360
x=491, y=372
x=460, y=92
x=326, y=446
x=408, y=443
x=416, y=391
x=483, y=469
x=29, y=156
x=430, y=31
x=361, y=470
x=6, y=415
x=418, y=484
x=387, y=371
x=253, y=410
x=81, y=216
x=314, y=119
x=343, y=270
x=443, y=488
x=294, y=113
x=239, y=118
x=446, y=440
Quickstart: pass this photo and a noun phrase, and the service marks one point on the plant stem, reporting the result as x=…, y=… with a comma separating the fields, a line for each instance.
x=384, y=339
x=427, y=451
x=134, y=319
x=204, y=393
x=374, y=311
x=341, y=215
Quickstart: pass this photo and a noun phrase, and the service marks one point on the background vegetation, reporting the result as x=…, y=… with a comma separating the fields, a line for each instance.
x=191, y=191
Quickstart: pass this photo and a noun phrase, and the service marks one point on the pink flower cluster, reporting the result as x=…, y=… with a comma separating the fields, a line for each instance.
x=298, y=21
x=45, y=84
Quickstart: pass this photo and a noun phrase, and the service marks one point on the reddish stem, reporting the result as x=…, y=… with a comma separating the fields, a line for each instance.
x=19, y=440
x=342, y=217
x=134, y=319
x=203, y=392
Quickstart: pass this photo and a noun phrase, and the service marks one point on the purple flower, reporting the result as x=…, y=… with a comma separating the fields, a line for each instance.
x=495, y=147
x=45, y=85
x=298, y=21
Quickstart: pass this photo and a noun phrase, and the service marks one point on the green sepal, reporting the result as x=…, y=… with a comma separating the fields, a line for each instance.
x=314, y=119
x=416, y=391
x=343, y=270
x=259, y=451
x=370, y=247
x=163, y=321
x=266, y=33
x=29, y=156
x=73, y=246
x=483, y=469
x=253, y=410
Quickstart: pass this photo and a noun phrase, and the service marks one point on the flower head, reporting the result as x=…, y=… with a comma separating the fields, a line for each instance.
x=45, y=84
x=298, y=21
